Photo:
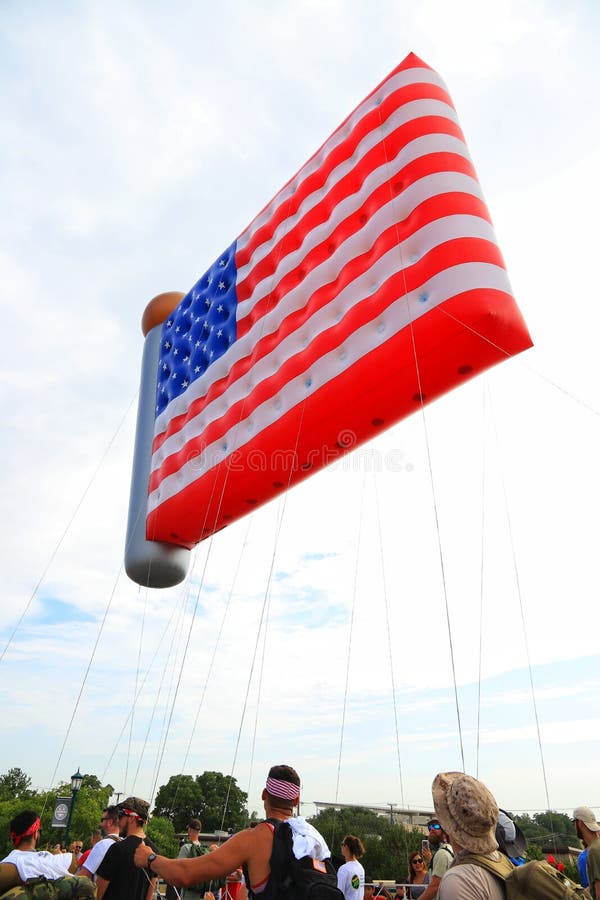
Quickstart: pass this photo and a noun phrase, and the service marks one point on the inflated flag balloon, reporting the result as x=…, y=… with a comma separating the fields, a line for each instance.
x=371, y=284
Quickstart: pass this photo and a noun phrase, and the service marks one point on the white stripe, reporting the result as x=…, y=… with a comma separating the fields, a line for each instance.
x=329, y=316
x=438, y=143
x=417, y=75
x=403, y=205
x=464, y=277
x=415, y=110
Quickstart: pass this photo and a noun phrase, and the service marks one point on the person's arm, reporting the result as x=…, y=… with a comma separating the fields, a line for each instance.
x=187, y=872
x=101, y=885
x=85, y=873
x=432, y=888
x=597, y=889
x=152, y=883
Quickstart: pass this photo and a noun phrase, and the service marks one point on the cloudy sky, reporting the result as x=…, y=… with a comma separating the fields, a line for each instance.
x=340, y=628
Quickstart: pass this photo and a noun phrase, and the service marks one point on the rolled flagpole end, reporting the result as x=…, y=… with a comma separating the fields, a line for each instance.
x=150, y=563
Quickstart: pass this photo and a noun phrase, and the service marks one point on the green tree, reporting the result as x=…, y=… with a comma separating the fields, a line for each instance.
x=212, y=797
x=223, y=802
x=161, y=831
x=15, y=783
x=178, y=800
x=93, y=782
x=86, y=814
x=334, y=824
x=387, y=847
x=8, y=810
x=550, y=829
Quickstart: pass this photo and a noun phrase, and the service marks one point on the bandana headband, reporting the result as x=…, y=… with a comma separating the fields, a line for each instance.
x=283, y=789
x=17, y=838
x=129, y=812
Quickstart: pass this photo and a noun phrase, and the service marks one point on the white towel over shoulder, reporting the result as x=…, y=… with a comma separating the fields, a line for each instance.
x=307, y=840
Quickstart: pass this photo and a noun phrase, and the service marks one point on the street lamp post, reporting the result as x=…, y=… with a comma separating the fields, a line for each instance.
x=76, y=782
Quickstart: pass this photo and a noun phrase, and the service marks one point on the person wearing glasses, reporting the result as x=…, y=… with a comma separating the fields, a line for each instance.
x=441, y=859
x=117, y=877
x=418, y=876
x=109, y=826
x=351, y=876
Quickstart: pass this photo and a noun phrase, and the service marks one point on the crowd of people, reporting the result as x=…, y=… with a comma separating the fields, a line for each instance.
x=472, y=849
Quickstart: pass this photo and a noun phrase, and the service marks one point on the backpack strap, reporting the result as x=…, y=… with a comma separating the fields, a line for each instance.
x=501, y=868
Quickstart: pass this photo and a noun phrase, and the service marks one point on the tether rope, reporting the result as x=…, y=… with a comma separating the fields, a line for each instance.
x=159, y=644
x=83, y=683
x=522, y=610
x=265, y=612
x=68, y=526
x=394, y=201
x=217, y=642
x=389, y=640
x=349, y=651
x=481, y=579
x=137, y=678
x=183, y=660
x=212, y=660
x=177, y=629
x=522, y=364
x=393, y=680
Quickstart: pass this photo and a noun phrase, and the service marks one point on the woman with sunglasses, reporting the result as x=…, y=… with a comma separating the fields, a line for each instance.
x=418, y=876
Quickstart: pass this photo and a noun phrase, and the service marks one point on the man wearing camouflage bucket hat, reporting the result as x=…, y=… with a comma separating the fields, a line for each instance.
x=468, y=814
x=39, y=874
x=117, y=877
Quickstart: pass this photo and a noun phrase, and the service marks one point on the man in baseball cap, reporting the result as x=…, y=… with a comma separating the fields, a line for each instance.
x=117, y=878
x=588, y=831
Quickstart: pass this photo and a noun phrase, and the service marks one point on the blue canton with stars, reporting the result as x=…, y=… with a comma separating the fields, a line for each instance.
x=199, y=330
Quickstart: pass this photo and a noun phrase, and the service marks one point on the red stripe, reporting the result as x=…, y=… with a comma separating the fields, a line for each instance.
x=368, y=309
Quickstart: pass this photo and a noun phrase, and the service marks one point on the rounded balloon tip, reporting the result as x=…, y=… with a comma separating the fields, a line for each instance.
x=159, y=308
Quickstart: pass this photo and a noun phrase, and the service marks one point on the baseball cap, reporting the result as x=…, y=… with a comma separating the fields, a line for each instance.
x=585, y=815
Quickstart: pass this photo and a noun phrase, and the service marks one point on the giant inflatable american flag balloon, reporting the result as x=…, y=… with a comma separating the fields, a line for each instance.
x=369, y=285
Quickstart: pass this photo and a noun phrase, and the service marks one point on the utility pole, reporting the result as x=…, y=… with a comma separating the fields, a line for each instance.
x=117, y=794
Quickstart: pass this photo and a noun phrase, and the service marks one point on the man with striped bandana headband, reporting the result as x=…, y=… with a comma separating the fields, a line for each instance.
x=251, y=848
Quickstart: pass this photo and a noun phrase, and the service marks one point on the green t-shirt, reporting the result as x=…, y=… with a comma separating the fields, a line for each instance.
x=442, y=860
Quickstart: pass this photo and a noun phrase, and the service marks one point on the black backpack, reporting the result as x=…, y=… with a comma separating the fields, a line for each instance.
x=298, y=879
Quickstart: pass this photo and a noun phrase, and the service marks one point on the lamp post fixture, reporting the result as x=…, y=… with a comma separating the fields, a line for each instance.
x=76, y=782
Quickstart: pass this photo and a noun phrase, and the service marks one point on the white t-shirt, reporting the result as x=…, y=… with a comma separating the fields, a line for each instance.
x=98, y=852
x=351, y=880
x=31, y=863
x=470, y=882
